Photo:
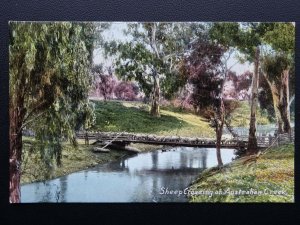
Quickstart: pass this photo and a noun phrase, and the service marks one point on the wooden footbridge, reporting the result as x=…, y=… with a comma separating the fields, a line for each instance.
x=124, y=138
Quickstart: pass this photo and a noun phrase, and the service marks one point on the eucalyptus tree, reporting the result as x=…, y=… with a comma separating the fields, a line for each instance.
x=277, y=43
x=49, y=67
x=152, y=57
x=278, y=70
x=203, y=67
x=245, y=39
x=249, y=38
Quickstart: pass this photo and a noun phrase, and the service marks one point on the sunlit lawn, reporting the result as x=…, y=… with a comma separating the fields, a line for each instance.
x=135, y=117
x=273, y=171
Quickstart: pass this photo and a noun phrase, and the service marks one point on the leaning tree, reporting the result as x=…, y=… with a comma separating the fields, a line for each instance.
x=277, y=40
x=48, y=87
x=278, y=70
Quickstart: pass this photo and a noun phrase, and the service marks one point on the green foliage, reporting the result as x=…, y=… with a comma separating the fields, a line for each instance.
x=281, y=37
x=226, y=34
x=274, y=65
x=156, y=48
x=49, y=78
x=245, y=37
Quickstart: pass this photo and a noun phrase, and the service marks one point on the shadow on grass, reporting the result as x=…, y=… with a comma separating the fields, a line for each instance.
x=114, y=116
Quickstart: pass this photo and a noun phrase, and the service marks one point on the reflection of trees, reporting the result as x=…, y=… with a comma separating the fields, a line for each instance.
x=154, y=157
x=53, y=192
x=46, y=197
x=196, y=158
x=183, y=158
x=174, y=173
x=204, y=159
x=63, y=181
x=123, y=164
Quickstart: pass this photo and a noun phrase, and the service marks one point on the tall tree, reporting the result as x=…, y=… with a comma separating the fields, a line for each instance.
x=204, y=68
x=152, y=57
x=277, y=69
x=49, y=80
x=252, y=141
x=278, y=36
x=245, y=38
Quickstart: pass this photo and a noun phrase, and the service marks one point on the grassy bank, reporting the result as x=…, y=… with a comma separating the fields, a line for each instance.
x=73, y=159
x=240, y=117
x=271, y=175
x=134, y=117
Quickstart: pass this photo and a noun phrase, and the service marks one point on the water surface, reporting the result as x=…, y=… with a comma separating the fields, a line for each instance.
x=145, y=177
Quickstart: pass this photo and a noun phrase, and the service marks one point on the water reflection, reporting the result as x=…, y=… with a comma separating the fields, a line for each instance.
x=139, y=178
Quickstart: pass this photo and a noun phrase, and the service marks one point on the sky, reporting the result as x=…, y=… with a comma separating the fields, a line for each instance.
x=115, y=32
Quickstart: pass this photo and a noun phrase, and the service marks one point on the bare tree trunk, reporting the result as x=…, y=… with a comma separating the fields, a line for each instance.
x=155, y=97
x=156, y=86
x=219, y=132
x=280, y=95
x=275, y=96
x=284, y=101
x=252, y=141
x=16, y=115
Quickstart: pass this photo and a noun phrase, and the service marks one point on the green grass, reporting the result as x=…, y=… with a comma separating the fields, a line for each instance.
x=273, y=171
x=73, y=159
x=241, y=116
x=135, y=117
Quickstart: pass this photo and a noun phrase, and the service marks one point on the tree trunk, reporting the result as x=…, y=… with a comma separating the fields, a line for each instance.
x=252, y=141
x=284, y=101
x=280, y=95
x=275, y=96
x=16, y=115
x=156, y=86
x=155, y=97
x=219, y=131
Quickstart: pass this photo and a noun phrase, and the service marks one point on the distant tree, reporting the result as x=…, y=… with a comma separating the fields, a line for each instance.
x=151, y=58
x=49, y=80
x=126, y=91
x=104, y=81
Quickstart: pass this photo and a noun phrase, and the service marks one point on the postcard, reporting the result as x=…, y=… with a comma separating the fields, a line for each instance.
x=151, y=112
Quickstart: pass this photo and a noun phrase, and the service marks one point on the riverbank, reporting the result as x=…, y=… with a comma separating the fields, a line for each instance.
x=73, y=159
x=116, y=116
x=267, y=178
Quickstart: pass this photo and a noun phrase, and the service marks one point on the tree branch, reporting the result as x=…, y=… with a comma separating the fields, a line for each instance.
x=33, y=111
x=29, y=121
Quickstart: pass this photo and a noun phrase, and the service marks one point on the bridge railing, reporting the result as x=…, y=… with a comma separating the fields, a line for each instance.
x=263, y=140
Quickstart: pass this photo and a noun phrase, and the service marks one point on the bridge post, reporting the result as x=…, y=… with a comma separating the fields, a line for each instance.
x=86, y=138
x=270, y=139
